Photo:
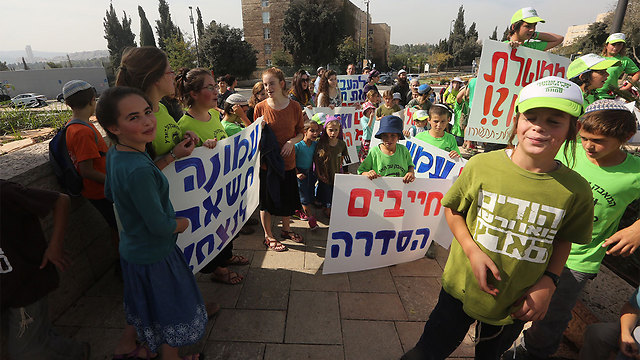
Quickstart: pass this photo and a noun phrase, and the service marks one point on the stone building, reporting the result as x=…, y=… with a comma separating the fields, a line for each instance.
x=263, y=21
x=576, y=31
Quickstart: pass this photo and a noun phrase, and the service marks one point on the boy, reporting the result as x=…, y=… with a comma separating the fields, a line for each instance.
x=397, y=99
x=614, y=176
x=389, y=158
x=422, y=101
x=421, y=121
x=87, y=148
x=28, y=274
x=388, y=107
x=439, y=116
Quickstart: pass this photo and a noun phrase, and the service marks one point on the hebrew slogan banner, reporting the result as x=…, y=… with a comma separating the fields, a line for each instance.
x=352, y=89
x=217, y=190
x=383, y=222
x=503, y=72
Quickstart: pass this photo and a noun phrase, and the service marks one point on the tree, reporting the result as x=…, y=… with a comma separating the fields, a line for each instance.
x=223, y=47
x=24, y=64
x=505, y=34
x=53, y=65
x=199, y=24
x=3, y=66
x=349, y=52
x=439, y=59
x=146, y=32
x=312, y=31
x=494, y=36
x=179, y=52
x=165, y=26
x=282, y=58
x=119, y=35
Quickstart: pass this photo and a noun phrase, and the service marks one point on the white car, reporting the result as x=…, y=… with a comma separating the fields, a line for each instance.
x=29, y=99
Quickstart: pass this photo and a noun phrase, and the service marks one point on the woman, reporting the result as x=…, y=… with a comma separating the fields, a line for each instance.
x=300, y=90
x=372, y=80
x=328, y=92
x=257, y=94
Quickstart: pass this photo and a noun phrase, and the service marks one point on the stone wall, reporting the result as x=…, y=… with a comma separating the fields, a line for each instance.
x=87, y=237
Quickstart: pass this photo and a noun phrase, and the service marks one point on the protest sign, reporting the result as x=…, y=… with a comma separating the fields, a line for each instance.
x=383, y=222
x=429, y=161
x=350, y=128
x=503, y=73
x=352, y=89
x=217, y=190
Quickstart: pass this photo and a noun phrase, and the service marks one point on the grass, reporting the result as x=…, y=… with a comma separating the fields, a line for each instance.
x=15, y=120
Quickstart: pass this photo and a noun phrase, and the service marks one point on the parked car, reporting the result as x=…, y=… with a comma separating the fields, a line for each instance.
x=412, y=76
x=60, y=98
x=29, y=100
x=385, y=80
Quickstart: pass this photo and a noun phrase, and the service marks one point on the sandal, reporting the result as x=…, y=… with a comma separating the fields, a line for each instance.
x=290, y=235
x=230, y=277
x=237, y=260
x=133, y=355
x=273, y=244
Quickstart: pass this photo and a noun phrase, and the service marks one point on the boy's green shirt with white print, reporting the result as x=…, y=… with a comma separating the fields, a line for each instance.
x=514, y=216
x=387, y=165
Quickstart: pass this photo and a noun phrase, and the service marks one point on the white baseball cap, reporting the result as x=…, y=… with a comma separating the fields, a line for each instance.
x=616, y=38
x=551, y=92
x=527, y=14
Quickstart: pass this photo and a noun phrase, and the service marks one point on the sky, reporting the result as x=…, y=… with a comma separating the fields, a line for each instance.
x=76, y=25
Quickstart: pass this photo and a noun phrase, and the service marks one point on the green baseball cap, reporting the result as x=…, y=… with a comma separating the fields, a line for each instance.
x=616, y=38
x=528, y=15
x=421, y=115
x=589, y=62
x=551, y=92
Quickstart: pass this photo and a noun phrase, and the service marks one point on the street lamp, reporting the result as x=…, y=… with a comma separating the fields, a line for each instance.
x=195, y=38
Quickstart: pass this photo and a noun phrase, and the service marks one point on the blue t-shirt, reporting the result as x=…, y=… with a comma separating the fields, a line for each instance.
x=367, y=131
x=304, y=154
x=140, y=193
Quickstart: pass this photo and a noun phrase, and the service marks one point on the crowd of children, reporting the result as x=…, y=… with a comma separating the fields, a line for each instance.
x=568, y=164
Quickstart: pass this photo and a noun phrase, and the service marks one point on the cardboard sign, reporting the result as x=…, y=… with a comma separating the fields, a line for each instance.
x=383, y=222
x=350, y=128
x=352, y=89
x=217, y=190
x=503, y=73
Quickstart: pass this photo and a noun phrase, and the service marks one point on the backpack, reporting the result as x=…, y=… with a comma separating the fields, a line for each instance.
x=67, y=174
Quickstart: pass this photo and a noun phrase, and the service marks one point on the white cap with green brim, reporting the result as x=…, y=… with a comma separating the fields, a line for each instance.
x=421, y=115
x=528, y=15
x=589, y=62
x=551, y=92
x=616, y=38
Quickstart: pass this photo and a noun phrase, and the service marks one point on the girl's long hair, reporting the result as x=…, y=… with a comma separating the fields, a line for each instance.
x=322, y=150
x=257, y=88
x=190, y=80
x=141, y=67
x=274, y=71
x=303, y=96
x=323, y=88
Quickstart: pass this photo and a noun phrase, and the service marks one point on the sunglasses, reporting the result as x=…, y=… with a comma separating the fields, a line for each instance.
x=304, y=79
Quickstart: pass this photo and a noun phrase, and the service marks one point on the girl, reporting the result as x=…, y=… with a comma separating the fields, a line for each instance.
x=284, y=118
x=366, y=121
x=257, y=94
x=514, y=214
x=522, y=31
x=306, y=176
x=373, y=97
x=162, y=302
x=235, y=116
x=328, y=160
x=328, y=92
x=147, y=68
x=616, y=48
x=372, y=80
x=300, y=90
x=198, y=92
x=590, y=73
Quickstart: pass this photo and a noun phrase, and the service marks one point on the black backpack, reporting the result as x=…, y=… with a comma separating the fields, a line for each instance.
x=68, y=177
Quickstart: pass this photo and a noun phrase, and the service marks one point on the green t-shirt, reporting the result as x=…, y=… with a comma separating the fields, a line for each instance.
x=446, y=143
x=205, y=130
x=614, y=188
x=383, y=110
x=514, y=216
x=231, y=128
x=460, y=111
x=450, y=95
x=168, y=133
x=534, y=44
x=627, y=66
x=387, y=165
x=424, y=106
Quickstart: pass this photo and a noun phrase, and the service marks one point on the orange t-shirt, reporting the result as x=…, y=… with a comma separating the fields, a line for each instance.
x=286, y=124
x=81, y=143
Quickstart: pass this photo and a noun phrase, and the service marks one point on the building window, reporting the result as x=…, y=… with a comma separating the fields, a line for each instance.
x=267, y=49
x=265, y=17
x=266, y=33
x=265, y=3
x=269, y=63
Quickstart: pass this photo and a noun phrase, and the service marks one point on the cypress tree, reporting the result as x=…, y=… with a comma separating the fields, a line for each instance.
x=118, y=35
x=165, y=26
x=146, y=32
x=200, y=23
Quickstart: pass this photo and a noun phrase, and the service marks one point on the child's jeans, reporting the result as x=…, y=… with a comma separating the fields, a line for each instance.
x=447, y=326
x=324, y=194
x=306, y=186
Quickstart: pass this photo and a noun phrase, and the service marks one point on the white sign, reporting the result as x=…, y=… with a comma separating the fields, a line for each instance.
x=352, y=89
x=217, y=190
x=503, y=73
x=383, y=222
x=350, y=128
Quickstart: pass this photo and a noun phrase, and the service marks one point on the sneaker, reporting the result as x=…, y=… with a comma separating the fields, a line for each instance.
x=301, y=215
x=313, y=223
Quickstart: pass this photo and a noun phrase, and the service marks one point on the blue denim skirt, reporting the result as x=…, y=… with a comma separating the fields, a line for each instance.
x=163, y=302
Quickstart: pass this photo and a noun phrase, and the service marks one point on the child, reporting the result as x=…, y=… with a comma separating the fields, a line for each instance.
x=615, y=48
x=330, y=151
x=422, y=101
x=388, y=107
x=198, y=91
x=514, y=214
x=366, y=121
x=522, y=31
x=161, y=297
x=28, y=274
x=439, y=116
x=590, y=73
x=397, y=100
x=306, y=176
x=614, y=176
x=421, y=121
x=235, y=116
x=284, y=118
x=389, y=158
x=372, y=79
x=373, y=96
x=88, y=149
x=449, y=96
